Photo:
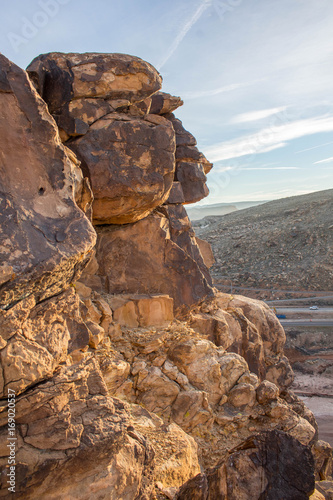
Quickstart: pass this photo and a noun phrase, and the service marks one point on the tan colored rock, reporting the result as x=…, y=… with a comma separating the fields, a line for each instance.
x=326, y=489
x=39, y=338
x=141, y=310
x=267, y=392
x=131, y=165
x=60, y=78
x=242, y=395
x=170, y=264
x=54, y=241
x=206, y=252
x=152, y=382
x=316, y=495
x=176, y=455
x=265, y=334
x=76, y=442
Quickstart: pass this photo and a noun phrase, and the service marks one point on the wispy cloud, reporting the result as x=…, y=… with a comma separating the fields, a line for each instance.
x=327, y=160
x=257, y=115
x=185, y=29
x=269, y=138
x=223, y=168
x=315, y=147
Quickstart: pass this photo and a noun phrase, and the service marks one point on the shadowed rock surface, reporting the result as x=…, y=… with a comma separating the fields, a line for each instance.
x=261, y=468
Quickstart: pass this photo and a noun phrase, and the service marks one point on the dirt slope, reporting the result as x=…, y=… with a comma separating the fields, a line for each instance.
x=286, y=243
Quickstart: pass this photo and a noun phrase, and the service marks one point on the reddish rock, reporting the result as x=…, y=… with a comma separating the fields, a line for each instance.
x=152, y=256
x=130, y=162
x=176, y=195
x=162, y=103
x=45, y=238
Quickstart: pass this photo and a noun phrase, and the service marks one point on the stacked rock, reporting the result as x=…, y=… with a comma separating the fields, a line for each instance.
x=143, y=166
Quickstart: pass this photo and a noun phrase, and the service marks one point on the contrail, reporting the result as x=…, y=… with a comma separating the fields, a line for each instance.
x=186, y=28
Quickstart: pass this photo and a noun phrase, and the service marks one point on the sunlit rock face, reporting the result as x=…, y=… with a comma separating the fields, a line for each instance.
x=139, y=377
x=45, y=239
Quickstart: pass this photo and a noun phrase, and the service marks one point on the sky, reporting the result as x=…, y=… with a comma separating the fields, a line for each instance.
x=255, y=76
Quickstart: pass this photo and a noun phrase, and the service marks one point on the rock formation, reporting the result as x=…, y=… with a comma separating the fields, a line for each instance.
x=136, y=380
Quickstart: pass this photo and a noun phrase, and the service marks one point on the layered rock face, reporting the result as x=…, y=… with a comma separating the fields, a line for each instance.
x=139, y=381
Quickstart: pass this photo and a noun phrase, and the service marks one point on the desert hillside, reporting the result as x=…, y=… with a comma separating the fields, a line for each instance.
x=285, y=244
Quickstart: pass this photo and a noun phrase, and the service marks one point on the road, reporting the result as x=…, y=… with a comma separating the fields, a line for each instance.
x=306, y=322
x=321, y=310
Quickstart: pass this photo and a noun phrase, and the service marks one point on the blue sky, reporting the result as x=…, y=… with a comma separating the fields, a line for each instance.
x=256, y=77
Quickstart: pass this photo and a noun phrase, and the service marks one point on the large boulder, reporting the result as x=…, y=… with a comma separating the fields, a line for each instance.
x=156, y=255
x=130, y=162
x=45, y=239
x=61, y=78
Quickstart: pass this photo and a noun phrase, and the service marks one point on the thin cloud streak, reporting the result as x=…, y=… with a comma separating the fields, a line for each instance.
x=244, y=168
x=314, y=147
x=327, y=160
x=253, y=116
x=268, y=139
x=186, y=28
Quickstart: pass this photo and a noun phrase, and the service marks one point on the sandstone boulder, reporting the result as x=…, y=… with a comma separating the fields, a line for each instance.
x=36, y=338
x=153, y=256
x=130, y=163
x=61, y=78
x=45, y=238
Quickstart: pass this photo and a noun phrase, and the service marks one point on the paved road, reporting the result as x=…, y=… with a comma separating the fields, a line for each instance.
x=321, y=310
x=306, y=322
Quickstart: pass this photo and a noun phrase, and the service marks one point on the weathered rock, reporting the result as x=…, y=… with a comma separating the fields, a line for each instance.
x=130, y=162
x=162, y=103
x=155, y=257
x=61, y=78
x=141, y=310
x=37, y=338
x=74, y=441
x=176, y=195
x=45, y=238
x=326, y=489
x=193, y=180
x=192, y=166
x=267, y=392
x=271, y=465
x=267, y=331
x=206, y=252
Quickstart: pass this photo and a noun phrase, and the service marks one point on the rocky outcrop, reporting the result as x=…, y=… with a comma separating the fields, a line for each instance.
x=170, y=263
x=258, y=468
x=130, y=162
x=140, y=376
x=46, y=240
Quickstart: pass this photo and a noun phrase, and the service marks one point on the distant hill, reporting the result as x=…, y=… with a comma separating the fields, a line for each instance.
x=199, y=212
x=287, y=243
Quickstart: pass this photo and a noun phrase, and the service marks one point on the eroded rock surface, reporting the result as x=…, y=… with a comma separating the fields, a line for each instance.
x=261, y=467
x=115, y=398
x=45, y=239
